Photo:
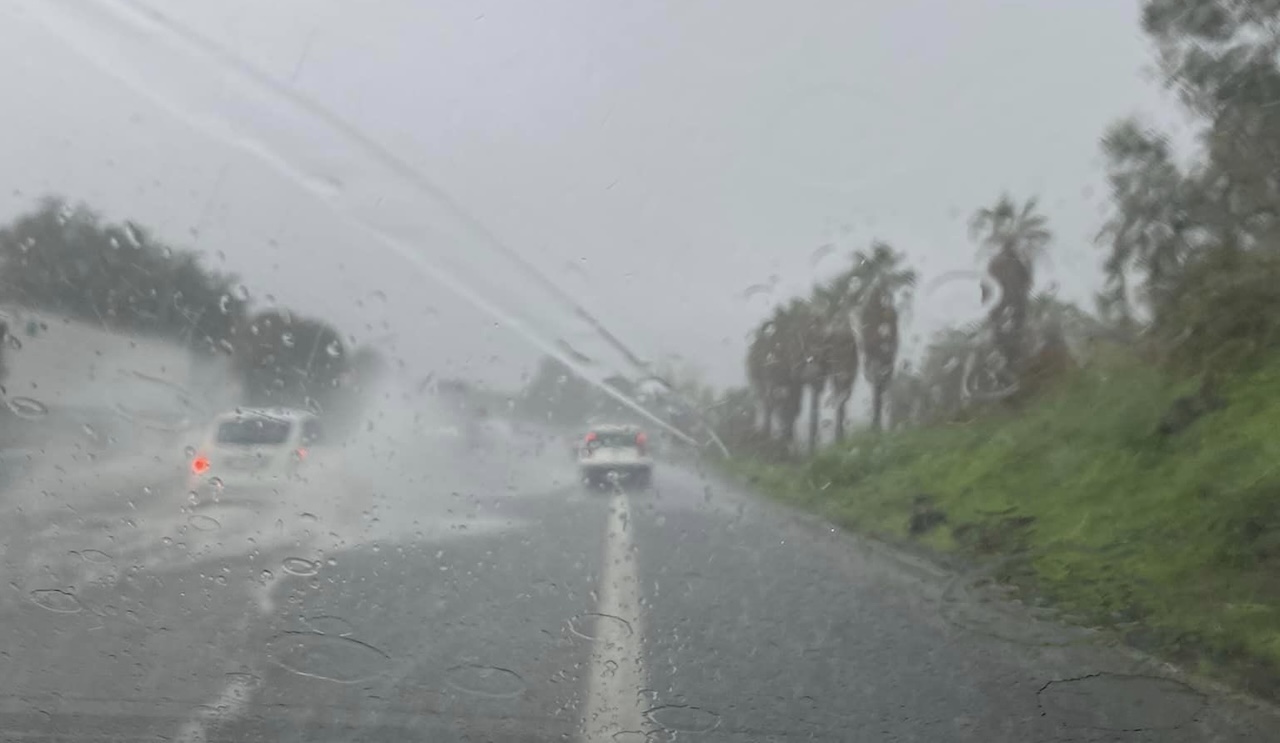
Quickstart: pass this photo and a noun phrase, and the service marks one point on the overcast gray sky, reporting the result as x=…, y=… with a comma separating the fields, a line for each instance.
x=656, y=159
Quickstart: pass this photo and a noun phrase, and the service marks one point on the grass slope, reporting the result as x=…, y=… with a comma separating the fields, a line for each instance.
x=1173, y=541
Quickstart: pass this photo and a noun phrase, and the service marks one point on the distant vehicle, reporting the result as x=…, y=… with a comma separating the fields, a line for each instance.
x=256, y=447
x=620, y=453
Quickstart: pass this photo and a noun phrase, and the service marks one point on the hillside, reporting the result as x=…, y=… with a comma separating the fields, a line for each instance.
x=1171, y=540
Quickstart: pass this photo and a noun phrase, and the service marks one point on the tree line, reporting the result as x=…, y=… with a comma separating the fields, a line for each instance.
x=66, y=259
x=1190, y=254
x=1191, y=259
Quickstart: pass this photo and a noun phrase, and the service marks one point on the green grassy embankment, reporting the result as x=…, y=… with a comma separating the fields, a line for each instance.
x=1174, y=541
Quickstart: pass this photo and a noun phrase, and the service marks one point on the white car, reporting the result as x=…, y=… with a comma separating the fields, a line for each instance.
x=255, y=447
x=615, y=453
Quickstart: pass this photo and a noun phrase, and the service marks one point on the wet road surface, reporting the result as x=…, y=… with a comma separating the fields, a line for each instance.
x=470, y=595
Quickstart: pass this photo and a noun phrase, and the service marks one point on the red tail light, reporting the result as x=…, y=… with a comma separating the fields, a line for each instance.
x=642, y=442
x=302, y=453
x=200, y=465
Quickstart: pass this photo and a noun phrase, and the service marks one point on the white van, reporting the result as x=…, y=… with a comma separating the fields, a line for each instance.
x=255, y=447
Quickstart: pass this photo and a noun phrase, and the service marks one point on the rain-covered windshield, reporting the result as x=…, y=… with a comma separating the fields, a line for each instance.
x=595, y=371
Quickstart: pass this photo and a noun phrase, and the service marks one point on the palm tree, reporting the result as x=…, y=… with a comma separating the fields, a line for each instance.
x=814, y=363
x=762, y=359
x=796, y=366
x=882, y=284
x=832, y=303
x=776, y=366
x=1015, y=238
x=843, y=345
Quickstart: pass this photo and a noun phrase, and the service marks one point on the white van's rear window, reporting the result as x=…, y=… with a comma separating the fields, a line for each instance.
x=253, y=431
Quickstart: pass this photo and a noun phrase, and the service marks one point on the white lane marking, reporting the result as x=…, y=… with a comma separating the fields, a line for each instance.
x=616, y=674
x=230, y=704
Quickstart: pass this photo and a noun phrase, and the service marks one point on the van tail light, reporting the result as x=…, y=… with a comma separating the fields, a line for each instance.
x=200, y=465
x=301, y=453
x=642, y=443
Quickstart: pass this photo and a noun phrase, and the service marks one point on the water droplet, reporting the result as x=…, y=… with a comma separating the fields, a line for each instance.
x=310, y=517
x=224, y=304
x=26, y=407
x=200, y=522
x=168, y=542
x=485, y=681
x=267, y=575
x=683, y=719
x=286, y=339
x=242, y=293
x=190, y=451
x=590, y=625
x=300, y=566
x=333, y=349
x=821, y=252
x=95, y=556
x=339, y=659
x=329, y=625
x=216, y=482
x=56, y=600
x=133, y=234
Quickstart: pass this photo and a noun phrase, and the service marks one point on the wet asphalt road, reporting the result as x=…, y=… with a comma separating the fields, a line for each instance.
x=483, y=596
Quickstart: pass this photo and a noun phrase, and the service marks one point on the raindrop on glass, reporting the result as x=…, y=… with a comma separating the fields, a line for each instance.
x=26, y=407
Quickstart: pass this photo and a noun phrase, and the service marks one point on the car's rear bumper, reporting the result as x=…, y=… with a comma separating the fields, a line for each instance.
x=618, y=466
x=626, y=473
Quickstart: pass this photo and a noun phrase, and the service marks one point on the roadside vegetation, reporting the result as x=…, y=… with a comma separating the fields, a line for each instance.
x=1120, y=461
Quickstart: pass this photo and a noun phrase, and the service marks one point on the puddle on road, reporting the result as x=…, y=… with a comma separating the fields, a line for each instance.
x=590, y=626
x=56, y=600
x=485, y=681
x=329, y=657
x=1121, y=703
x=683, y=719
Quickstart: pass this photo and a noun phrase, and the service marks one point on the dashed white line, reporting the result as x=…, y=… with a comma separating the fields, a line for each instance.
x=230, y=704
x=616, y=673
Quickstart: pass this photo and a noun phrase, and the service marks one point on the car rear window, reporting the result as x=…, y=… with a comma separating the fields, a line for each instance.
x=253, y=431
x=615, y=439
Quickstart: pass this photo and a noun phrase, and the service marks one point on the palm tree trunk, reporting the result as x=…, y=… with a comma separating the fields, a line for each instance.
x=840, y=410
x=815, y=400
x=877, y=406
